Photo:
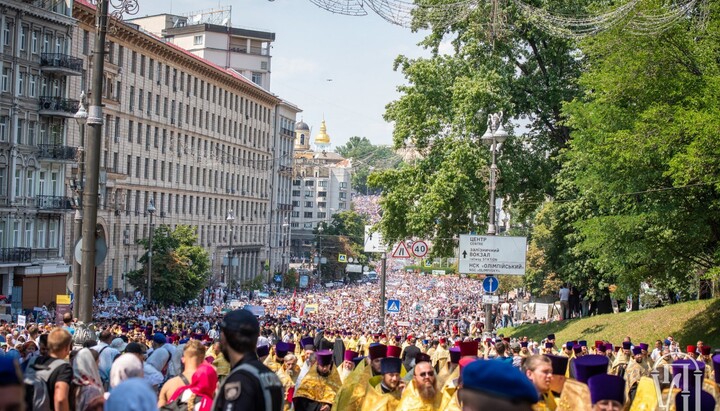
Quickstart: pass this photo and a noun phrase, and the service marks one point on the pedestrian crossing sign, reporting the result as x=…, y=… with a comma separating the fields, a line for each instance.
x=342, y=258
x=428, y=263
x=393, y=306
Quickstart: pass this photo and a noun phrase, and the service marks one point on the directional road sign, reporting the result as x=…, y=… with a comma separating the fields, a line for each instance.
x=401, y=251
x=373, y=241
x=492, y=255
x=420, y=249
x=393, y=306
x=490, y=284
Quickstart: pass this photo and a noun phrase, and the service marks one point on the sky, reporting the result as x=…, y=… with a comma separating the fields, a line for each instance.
x=331, y=66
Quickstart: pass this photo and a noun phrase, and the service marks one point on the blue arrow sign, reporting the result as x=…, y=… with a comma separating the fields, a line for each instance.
x=490, y=284
x=393, y=306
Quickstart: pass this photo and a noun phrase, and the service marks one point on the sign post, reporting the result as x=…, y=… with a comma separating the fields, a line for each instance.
x=492, y=255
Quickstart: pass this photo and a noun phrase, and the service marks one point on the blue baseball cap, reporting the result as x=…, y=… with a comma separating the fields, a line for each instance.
x=159, y=338
x=498, y=379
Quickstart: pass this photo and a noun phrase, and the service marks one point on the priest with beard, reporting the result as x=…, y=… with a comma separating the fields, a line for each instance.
x=347, y=366
x=317, y=390
x=422, y=393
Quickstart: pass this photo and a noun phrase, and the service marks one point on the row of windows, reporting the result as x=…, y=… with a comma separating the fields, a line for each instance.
x=31, y=132
x=321, y=183
x=30, y=83
x=246, y=211
x=143, y=167
x=35, y=234
x=164, y=74
x=34, y=40
x=207, y=234
x=30, y=182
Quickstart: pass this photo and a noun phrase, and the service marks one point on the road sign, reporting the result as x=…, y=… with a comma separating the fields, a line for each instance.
x=428, y=263
x=491, y=299
x=373, y=241
x=401, y=251
x=353, y=268
x=490, y=284
x=342, y=258
x=439, y=272
x=393, y=306
x=492, y=255
x=420, y=249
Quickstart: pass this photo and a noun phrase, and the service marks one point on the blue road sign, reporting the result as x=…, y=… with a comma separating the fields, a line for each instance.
x=393, y=306
x=490, y=284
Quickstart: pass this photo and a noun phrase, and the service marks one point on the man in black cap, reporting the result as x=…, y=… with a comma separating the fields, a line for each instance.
x=391, y=382
x=250, y=384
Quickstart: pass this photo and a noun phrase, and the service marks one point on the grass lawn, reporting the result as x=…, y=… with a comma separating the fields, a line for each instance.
x=686, y=322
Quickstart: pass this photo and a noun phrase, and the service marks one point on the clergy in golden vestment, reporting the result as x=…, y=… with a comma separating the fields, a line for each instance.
x=421, y=393
x=441, y=356
x=622, y=359
x=347, y=365
x=559, y=369
x=576, y=394
x=317, y=390
x=636, y=369
x=275, y=362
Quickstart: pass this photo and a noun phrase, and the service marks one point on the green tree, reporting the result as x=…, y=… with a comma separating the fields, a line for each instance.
x=343, y=235
x=180, y=268
x=526, y=74
x=367, y=158
x=645, y=156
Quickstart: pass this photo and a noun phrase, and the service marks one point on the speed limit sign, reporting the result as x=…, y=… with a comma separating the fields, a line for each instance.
x=420, y=249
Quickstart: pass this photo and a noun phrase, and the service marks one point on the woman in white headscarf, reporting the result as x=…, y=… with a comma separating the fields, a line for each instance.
x=132, y=394
x=125, y=366
x=86, y=380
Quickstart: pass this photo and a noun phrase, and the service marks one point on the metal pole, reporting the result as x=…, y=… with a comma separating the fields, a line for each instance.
x=489, y=325
x=382, y=290
x=150, y=255
x=231, y=254
x=77, y=223
x=90, y=193
x=77, y=233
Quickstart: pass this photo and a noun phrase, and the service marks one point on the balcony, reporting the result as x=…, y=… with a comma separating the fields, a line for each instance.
x=57, y=152
x=15, y=255
x=45, y=253
x=61, y=64
x=53, y=203
x=58, y=106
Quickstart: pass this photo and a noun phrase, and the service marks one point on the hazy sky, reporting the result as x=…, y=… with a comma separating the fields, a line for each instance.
x=330, y=65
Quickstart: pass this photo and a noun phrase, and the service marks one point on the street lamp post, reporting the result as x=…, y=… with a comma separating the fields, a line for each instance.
x=230, y=219
x=81, y=118
x=283, y=266
x=494, y=136
x=151, y=211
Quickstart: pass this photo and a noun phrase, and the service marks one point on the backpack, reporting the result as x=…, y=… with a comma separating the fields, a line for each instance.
x=37, y=394
x=179, y=405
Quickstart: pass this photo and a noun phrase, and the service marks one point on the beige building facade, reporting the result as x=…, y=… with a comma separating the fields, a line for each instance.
x=201, y=141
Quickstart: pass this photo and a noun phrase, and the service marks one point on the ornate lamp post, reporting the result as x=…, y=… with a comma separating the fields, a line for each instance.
x=151, y=210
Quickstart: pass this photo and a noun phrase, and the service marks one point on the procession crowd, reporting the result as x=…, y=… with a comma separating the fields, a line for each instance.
x=326, y=349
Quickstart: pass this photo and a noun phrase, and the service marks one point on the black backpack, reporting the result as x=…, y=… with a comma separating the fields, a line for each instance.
x=37, y=394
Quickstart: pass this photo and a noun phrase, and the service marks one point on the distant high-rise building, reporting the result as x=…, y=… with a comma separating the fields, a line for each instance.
x=321, y=187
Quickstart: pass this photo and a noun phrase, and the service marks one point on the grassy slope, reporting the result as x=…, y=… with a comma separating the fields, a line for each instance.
x=686, y=322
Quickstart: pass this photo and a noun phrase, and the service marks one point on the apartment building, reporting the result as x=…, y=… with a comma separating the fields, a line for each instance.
x=203, y=142
x=36, y=69
x=321, y=187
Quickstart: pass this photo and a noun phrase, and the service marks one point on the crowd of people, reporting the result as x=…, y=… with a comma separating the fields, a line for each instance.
x=326, y=349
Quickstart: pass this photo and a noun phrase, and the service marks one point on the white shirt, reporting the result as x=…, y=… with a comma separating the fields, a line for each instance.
x=505, y=307
x=564, y=294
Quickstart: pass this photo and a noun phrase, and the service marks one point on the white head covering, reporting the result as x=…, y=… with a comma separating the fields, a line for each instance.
x=85, y=369
x=125, y=366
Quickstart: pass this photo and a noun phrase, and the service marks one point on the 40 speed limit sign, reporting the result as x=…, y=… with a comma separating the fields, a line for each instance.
x=420, y=249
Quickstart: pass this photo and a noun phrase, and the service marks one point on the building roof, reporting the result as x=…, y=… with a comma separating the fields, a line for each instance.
x=301, y=126
x=216, y=28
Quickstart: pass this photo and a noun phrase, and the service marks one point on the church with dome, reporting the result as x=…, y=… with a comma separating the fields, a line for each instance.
x=320, y=186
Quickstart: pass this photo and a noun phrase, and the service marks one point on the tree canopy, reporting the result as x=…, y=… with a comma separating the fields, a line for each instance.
x=367, y=157
x=180, y=268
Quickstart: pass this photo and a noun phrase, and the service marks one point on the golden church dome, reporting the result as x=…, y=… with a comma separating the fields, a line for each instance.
x=322, y=138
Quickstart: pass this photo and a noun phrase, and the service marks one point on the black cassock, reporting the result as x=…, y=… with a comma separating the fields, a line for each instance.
x=338, y=352
x=305, y=404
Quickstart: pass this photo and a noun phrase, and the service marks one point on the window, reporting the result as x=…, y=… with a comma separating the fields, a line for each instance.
x=142, y=65
x=342, y=194
x=296, y=204
x=308, y=204
x=257, y=78
x=296, y=182
x=34, y=42
x=308, y=194
x=133, y=62
x=5, y=79
x=295, y=214
x=321, y=215
x=23, y=37
x=308, y=214
x=296, y=193
x=307, y=225
x=29, y=183
x=20, y=84
x=3, y=128
x=6, y=32
x=322, y=193
x=322, y=204
x=198, y=40
x=32, y=86
x=322, y=183
x=343, y=184
x=309, y=183
x=151, y=69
